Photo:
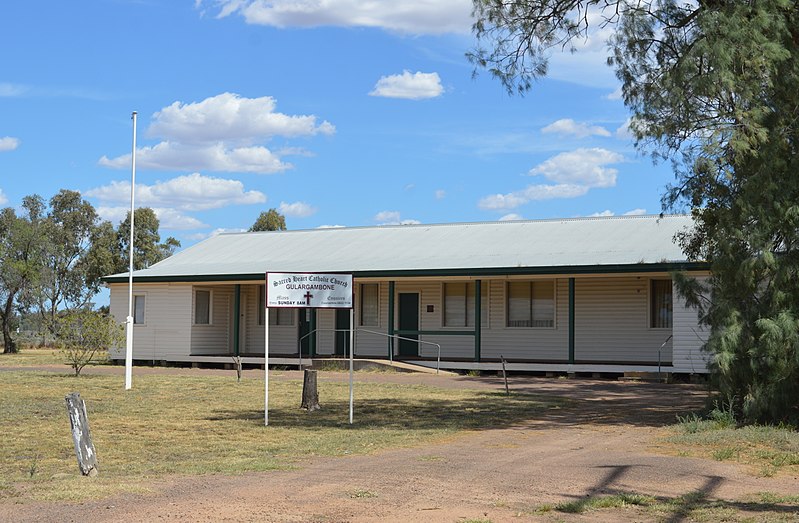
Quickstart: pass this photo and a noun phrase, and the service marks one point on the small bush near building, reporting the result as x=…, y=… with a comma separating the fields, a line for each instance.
x=85, y=336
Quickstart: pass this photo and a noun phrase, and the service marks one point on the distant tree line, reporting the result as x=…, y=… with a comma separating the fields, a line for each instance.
x=54, y=253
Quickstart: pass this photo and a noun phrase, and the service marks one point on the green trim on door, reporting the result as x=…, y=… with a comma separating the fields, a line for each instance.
x=390, y=320
x=478, y=317
x=312, y=337
x=571, y=320
x=409, y=322
x=236, y=318
x=342, y=340
x=303, y=329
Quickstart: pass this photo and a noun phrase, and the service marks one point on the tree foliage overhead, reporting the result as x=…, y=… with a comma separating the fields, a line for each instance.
x=712, y=87
x=270, y=220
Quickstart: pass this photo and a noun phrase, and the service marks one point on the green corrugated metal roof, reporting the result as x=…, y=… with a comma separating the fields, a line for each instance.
x=578, y=244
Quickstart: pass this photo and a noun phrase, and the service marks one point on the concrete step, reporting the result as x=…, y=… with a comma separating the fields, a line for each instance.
x=376, y=365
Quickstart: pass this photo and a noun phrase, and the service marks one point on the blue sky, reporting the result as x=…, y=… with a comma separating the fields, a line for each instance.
x=336, y=113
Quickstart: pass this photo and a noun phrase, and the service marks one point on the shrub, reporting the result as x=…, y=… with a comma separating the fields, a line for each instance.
x=85, y=335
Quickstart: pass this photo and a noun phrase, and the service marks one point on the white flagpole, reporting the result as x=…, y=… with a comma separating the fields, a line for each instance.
x=129, y=320
x=352, y=349
x=266, y=367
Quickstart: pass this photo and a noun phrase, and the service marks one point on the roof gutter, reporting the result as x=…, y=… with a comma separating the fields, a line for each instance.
x=408, y=273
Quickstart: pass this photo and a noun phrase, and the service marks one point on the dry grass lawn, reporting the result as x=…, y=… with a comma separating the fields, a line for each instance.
x=211, y=424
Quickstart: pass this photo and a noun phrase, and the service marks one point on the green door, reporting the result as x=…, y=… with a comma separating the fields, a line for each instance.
x=304, y=330
x=342, y=332
x=409, y=321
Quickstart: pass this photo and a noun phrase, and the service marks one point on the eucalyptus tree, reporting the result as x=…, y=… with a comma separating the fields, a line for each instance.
x=67, y=279
x=21, y=254
x=270, y=220
x=147, y=246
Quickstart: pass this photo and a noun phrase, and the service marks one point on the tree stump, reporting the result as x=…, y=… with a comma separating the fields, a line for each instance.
x=310, y=394
x=84, y=448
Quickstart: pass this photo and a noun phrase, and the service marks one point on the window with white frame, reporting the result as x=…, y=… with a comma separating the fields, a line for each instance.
x=531, y=304
x=138, y=309
x=660, y=304
x=369, y=304
x=459, y=304
x=202, y=307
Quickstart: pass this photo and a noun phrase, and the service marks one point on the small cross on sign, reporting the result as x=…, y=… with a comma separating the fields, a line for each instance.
x=308, y=297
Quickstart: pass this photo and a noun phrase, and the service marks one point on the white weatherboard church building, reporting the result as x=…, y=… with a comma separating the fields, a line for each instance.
x=572, y=295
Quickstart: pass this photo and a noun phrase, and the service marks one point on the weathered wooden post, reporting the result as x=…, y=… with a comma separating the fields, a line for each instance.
x=237, y=363
x=504, y=375
x=84, y=448
x=310, y=394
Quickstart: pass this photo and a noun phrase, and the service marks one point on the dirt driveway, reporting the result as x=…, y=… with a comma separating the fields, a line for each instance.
x=605, y=443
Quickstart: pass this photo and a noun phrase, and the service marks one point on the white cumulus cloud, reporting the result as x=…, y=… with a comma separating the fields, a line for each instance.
x=568, y=127
x=173, y=219
x=3, y=198
x=615, y=95
x=205, y=235
x=408, y=16
x=230, y=117
x=531, y=193
x=608, y=212
x=574, y=173
x=223, y=133
x=8, y=143
x=296, y=209
x=440, y=194
x=624, y=132
x=169, y=156
x=172, y=199
x=393, y=218
x=331, y=226
x=410, y=86
x=511, y=217
x=387, y=216
x=192, y=192
x=582, y=166
x=167, y=218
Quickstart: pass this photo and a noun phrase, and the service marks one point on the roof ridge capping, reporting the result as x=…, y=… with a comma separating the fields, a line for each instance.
x=657, y=217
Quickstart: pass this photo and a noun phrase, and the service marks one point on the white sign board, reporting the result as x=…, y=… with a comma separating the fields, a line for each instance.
x=309, y=290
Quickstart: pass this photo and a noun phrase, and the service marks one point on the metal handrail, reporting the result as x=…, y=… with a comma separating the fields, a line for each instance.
x=397, y=336
x=391, y=356
x=299, y=341
x=659, y=350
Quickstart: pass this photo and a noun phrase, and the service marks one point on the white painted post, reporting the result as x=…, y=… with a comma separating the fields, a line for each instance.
x=352, y=350
x=266, y=367
x=81, y=436
x=129, y=319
